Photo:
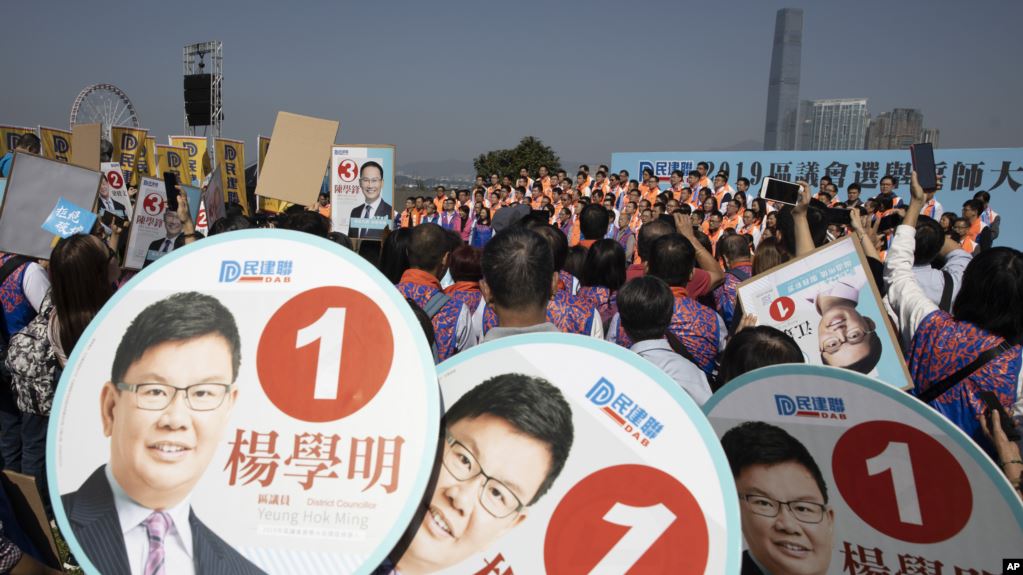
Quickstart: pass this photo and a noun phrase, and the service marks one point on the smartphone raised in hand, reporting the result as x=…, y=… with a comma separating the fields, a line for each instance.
x=170, y=182
x=923, y=165
x=780, y=191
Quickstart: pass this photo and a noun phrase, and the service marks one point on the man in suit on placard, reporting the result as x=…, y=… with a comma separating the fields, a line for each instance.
x=165, y=409
x=371, y=181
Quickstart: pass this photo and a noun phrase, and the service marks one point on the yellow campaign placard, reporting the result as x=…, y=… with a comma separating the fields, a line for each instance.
x=56, y=144
x=128, y=144
x=147, y=158
x=171, y=159
x=264, y=147
x=196, y=147
x=9, y=136
x=229, y=156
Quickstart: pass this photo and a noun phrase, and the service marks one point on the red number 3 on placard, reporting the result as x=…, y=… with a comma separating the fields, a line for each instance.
x=902, y=482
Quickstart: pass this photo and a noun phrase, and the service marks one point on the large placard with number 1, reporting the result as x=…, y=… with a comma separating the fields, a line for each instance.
x=321, y=451
x=644, y=487
x=907, y=491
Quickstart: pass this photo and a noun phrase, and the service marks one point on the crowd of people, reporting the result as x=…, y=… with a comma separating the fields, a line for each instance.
x=653, y=267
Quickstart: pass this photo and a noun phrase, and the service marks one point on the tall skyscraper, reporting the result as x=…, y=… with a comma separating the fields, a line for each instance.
x=837, y=124
x=783, y=87
x=898, y=129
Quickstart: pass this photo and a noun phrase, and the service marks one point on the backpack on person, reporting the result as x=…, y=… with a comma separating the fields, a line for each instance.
x=32, y=363
x=10, y=266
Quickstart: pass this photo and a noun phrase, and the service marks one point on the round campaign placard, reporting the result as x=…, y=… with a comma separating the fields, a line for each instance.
x=841, y=473
x=644, y=486
x=261, y=401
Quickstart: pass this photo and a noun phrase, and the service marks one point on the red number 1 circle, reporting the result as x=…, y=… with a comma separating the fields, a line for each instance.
x=627, y=518
x=902, y=482
x=325, y=354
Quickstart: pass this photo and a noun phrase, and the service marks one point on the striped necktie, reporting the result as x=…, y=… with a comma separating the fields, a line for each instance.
x=157, y=526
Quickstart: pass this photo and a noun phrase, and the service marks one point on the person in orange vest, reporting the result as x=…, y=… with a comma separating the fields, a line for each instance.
x=978, y=234
x=602, y=183
x=990, y=217
x=495, y=183
x=677, y=180
x=731, y=219
x=545, y=180
x=586, y=170
x=441, y=195
x=702, y=168
x=722, y=191
x=671, y=206
x=527, y=181
x=714, y=229
x=581, y=186
x=408, y=217
x=653, y=189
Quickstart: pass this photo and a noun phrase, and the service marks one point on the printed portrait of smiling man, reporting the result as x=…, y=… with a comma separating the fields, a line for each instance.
x=846, y=338
x=165, y=410
x=787, y=524
x=506, y=442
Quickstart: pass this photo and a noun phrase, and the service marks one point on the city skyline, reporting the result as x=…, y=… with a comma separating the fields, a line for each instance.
x=447, y=82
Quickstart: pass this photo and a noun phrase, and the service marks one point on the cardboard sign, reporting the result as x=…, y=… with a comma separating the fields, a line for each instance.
x=294, y=170
x=644, y=487
x=352, y=191
x=114, y=186
x=230, y=161
x=308, y=455
x=147, y=232
x=896, y=486
x=827, y=303
x=67, y=219
x=56, y=144
x=33, y=188
x=196, y=147
x=85, y=145
x=9, y=136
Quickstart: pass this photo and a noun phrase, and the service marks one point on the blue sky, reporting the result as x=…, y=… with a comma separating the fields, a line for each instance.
x=450, y=79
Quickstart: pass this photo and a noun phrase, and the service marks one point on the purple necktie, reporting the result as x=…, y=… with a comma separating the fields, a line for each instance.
x=157, y=526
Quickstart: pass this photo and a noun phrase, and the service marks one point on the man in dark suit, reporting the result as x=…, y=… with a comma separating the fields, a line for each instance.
x=371, y=181
x=105, y=203
x=174, y=239
x=165, y=411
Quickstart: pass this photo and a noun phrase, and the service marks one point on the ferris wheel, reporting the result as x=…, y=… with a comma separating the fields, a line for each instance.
x=104, y=104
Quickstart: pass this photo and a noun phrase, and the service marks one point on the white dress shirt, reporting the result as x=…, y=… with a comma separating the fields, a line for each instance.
x=177, y=543
x=686, y=374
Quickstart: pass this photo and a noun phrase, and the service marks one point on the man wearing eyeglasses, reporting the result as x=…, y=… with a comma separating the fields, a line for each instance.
x=507, y=440
x=787, y=523
x=165, y=410
x=846, y=338
x=371, y=181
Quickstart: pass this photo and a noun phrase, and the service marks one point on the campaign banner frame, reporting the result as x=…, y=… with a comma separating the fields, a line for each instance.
x=33, y=188
x=52, y=139
x=273, y=243
x=165, y=162
x=581, y=470
x=230, y=161
x=998, y=171
x=9, y=136
x=126, y=155
x=861, y=423
x=752, y=292
x=345, y=188
x=197, y=147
